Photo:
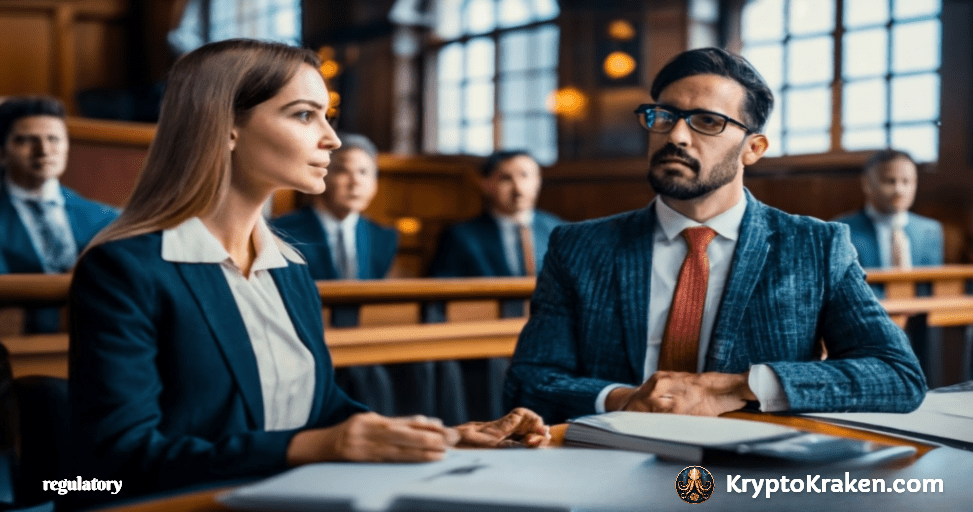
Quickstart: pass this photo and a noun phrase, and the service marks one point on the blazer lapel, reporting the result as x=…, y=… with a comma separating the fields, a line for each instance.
x=917, y=247
x=493, y=247
x=318, y=250
x=874, y=256
x=298, y=304
x=634, y=274
x=363, y=249
x=81, y=228
x=745, y=271
x=212, y=293
x=18, y=249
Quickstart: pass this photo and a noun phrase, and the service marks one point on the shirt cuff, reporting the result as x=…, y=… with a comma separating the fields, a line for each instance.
x=603, y=395
x=767, y=387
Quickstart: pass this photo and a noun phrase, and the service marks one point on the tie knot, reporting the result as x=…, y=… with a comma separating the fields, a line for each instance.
x=699, y=237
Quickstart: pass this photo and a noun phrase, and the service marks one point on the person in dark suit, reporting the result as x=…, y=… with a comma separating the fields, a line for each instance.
x=197, y=350
x=885, y=233
x=366, y=249
x=338, y=242
x=707, y=299
x=491, y=245
x=44, y=225
x=508, y=239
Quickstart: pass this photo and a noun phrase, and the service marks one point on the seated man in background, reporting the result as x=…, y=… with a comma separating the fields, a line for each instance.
x=339, y=243
x=44, y=225
x=707, y=299
x=508, y=239
x=885, y=233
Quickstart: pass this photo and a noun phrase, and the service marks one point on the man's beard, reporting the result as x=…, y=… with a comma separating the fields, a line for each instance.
x=722, y=173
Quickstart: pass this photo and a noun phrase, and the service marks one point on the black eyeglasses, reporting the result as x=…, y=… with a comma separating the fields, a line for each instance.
x=662, y=119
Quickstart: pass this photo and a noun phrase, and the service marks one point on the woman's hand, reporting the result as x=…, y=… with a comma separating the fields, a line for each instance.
x=370, y=437
x=520, y=427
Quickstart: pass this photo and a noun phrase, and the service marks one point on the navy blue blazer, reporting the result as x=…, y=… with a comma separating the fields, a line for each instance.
x=925, y=239
x=18, y=256
x=793, y=281
x=375, y=245
x=163, y=380
x=474, y=249
x=86, y=217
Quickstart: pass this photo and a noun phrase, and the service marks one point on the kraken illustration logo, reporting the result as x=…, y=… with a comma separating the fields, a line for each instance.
x=694, y=484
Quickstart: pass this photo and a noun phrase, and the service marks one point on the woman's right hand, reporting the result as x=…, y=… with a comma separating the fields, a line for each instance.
x=370, y=437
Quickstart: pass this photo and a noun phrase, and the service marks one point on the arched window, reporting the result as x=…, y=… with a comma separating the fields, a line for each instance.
x=493, y=66
x=849, y=74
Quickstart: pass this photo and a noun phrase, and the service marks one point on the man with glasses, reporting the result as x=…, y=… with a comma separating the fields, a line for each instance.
x=707, y=300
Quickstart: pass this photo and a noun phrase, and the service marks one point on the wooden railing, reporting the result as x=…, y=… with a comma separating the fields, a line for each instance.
x=387, y=334
x=390, y=330
x=949, y=304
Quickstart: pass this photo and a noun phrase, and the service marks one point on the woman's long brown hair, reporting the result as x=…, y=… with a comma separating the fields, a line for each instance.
x=187, y=170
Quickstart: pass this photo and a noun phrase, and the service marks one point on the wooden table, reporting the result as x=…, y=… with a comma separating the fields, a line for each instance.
x=205, y=500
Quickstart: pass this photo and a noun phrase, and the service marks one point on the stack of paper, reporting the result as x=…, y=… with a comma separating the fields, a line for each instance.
x=945, y=418
x=695, y=439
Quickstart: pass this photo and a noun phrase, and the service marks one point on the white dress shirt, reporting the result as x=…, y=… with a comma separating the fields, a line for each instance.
x=669, y=250
x=347, y=228
x=510, y=238
x=50, y=192
x=286, y=367
x=884, y=225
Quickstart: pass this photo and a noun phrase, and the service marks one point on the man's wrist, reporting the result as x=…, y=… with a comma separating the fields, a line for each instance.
x=617, y=398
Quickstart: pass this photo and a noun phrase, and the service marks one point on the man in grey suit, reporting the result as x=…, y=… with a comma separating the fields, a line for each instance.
x=885, y=233
x=707, y=300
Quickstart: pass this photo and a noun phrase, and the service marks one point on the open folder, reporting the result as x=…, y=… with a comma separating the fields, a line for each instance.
x=697, y=439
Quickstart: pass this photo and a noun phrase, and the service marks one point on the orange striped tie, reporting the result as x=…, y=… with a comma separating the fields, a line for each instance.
x=680, y=344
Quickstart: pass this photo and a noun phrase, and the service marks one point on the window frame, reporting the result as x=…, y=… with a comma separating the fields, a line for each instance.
x=837, y=83
x=431, y=53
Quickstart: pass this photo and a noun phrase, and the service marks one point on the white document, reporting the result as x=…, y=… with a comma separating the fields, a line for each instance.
x=942, y=417
x=543, y=479
x=691, y=430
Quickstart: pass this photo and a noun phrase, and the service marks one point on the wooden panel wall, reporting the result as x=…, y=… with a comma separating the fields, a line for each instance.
x=59, y=47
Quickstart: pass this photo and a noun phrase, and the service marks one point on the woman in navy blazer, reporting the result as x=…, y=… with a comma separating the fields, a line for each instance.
x=173, y=380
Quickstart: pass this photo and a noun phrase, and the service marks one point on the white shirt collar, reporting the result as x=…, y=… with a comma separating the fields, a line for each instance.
x=726, y=224
x=191, y=242
x=509, y=221
x=49, y=192
x=333, y=223
x=894, y=220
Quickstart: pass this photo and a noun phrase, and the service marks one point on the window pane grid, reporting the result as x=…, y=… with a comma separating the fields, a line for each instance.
x=889, y=74
x=504, y=70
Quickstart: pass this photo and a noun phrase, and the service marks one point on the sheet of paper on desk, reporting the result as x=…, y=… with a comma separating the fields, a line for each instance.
x=943, y=417
x=545, y=479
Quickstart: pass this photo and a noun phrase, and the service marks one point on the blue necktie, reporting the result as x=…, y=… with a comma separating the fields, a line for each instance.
x=57, y=250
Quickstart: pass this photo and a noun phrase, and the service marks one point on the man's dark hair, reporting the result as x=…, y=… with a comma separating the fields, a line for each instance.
x=884, y=156
x=715, y=61
x=498, y=157
x=18, y=107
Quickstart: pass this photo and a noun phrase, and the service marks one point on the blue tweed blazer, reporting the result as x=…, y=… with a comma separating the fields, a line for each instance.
x=925, y=239
x=793, y=281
